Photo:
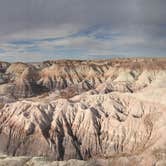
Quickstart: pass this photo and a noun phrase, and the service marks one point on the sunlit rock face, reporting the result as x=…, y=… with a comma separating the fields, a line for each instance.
x=111, y=110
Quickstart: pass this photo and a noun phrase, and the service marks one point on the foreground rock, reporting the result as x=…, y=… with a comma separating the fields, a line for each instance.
x=141, y=160
x=97, y=125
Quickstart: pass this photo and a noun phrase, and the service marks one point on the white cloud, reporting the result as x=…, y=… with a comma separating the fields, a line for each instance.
x=41, y=33
x=85, y=45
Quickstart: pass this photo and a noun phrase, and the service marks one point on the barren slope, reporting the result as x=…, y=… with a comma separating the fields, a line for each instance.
x=113, y=110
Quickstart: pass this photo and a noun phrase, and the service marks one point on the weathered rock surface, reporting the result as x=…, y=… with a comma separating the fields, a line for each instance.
x=109, y=111
x=122, y=75
x=140, y=160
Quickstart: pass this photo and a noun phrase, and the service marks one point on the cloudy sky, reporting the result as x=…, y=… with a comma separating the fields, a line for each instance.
x=35, y=30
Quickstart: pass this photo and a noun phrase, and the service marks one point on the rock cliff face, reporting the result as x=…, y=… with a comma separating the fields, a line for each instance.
x=109, y=110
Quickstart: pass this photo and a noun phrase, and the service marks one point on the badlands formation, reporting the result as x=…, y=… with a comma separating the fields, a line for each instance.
x=69, y=112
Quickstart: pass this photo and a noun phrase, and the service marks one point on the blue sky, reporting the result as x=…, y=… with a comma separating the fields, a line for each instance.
x=91, y=29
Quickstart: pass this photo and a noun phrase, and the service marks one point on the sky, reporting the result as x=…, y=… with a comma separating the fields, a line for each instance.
x=36, y=30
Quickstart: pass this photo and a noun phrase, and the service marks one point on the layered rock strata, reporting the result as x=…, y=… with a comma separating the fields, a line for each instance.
x=85, y=110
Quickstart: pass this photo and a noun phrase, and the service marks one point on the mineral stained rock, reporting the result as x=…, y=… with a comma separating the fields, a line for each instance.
x=110, y=112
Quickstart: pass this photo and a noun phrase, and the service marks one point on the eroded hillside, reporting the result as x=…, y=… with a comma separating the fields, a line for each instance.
x=111, y=110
